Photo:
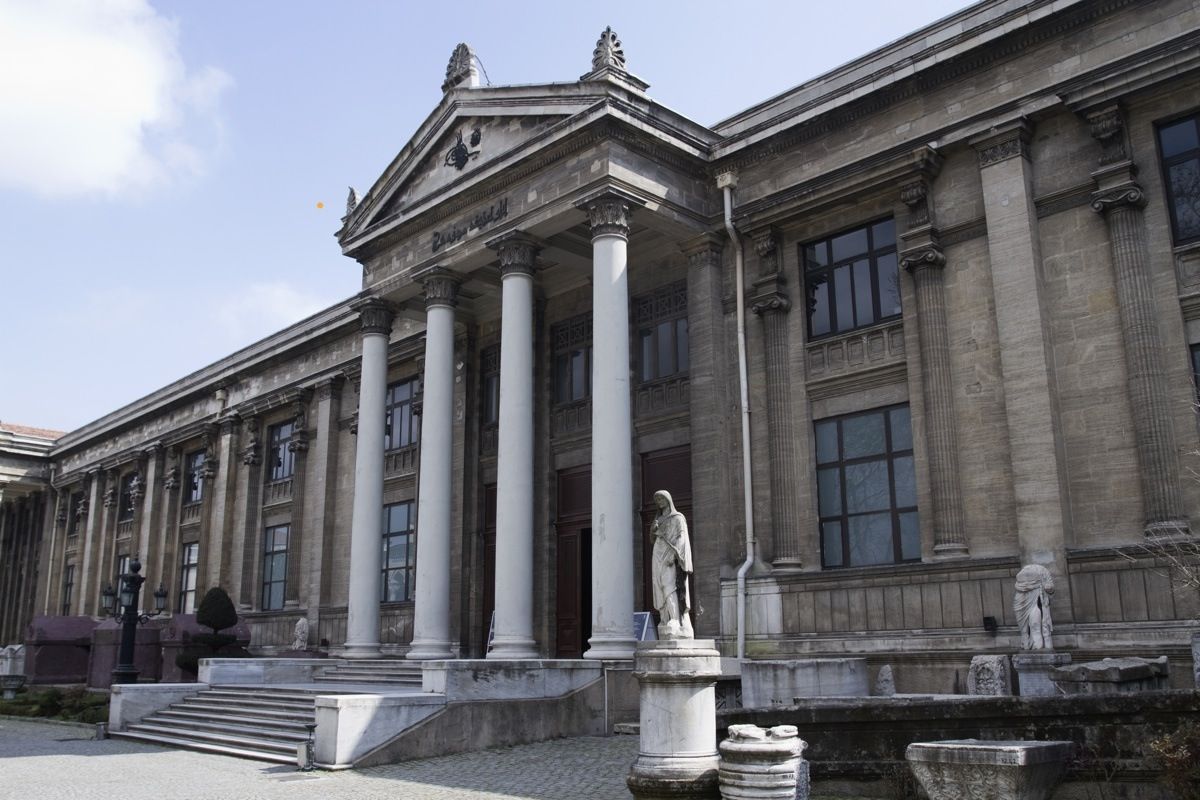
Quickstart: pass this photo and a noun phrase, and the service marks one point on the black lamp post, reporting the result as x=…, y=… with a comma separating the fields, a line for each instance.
x=129, y=617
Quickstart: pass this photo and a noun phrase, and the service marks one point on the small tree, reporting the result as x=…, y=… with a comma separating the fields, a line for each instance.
x=216, y=610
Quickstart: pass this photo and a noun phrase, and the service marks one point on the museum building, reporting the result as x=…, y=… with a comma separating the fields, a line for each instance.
x=885, y=338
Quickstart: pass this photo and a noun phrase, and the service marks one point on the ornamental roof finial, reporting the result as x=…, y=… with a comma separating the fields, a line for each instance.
x=461, y=70
x=608, y=52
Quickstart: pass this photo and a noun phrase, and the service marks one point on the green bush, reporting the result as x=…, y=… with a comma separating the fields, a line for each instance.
x=1178, y=754
x=75, y=704
x=216, y=610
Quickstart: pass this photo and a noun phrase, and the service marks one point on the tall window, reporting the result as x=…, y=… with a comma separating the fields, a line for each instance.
x=275, y=557
x=662, y=332
x=194, y=487
x=125, y=498
x=399, y=552
x=572, y=340
x=1179, y=143
x=490, y=368
x=122, y=569
x=189, y=566
x=851, y=279
x=866, y=489
x=73, y=513
x=403, y=427
x=1196, y=369
x=283, y=462
x=68, y=588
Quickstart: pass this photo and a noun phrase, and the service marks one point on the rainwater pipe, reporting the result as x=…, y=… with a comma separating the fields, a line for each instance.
x=726, y=181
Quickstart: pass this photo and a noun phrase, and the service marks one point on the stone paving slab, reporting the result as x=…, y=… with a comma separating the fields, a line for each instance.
x=61, y=763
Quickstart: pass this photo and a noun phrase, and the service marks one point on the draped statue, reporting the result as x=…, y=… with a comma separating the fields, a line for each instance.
x=671, y=562
x=1031, y=602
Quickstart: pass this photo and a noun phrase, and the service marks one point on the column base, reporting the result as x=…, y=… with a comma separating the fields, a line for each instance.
x=368, y=650
x=949, y=551
x=1168, y=530
x=789, y=564
x=602, y=648
x=513, y=649
x=429, y=651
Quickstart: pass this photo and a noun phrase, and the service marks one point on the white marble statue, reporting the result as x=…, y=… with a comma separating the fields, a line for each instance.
x=671, y=570
x=1031, y=602
x=300, y=635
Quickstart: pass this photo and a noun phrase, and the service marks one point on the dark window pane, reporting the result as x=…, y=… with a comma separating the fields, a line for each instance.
x=883, y=234
x=815, y=256
x=889, y=285
x=863, y=436
x=910, y=536
x=578, y=375
x=867, y=487
x=864, y=295
x=829, y=492
x=845, y=299
x=1179, y=138
x=647, y=338
x=562, y=378
x=818, y=305
x=901, y=429
x=849, y=244
x=831, y=544
x=666, y=349
x=870, y=540
x=681, y=344
x=1185, y=192
x=827, y=443
x=906, y=482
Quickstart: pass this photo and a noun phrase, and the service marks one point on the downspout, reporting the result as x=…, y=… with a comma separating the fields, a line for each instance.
x=727, y=181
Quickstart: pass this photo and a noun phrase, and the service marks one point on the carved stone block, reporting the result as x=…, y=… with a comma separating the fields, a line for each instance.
x=990, y=675
x=971, y=769
x=1113, y=675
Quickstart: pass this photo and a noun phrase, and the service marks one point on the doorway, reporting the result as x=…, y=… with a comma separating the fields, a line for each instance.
x=488, y=604
x=573, y=581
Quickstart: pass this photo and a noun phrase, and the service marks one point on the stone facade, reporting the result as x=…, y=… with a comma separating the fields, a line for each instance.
x=1031, y=328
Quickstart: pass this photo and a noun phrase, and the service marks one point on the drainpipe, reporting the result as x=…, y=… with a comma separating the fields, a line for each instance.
x=726, y=181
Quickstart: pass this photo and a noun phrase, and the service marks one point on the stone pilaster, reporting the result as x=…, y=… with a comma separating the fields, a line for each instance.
x=1120, y=199
x=514, y=490
x=366, y=525
x=90, y=531
x=921, y=255
x=1022, y=325
x=612, y=431
x=320, y=501
x=435, y=486
x=243, y=570
x=149, y=533
x=771, y=303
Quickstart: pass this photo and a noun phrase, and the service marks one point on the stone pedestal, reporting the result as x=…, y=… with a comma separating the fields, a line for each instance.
x=1196, y=659
x=758, y=764
x=1113, y=675
x=678, y=756
x=12, y=660
x=990, y=675
x=779, y=683
x=984, y=770
x=1033, y=672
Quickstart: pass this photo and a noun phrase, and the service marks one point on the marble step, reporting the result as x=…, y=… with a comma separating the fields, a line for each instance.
x=247, y=727
x=246, y=702
x=207, y=747
x=299, y=715
x=263, y=744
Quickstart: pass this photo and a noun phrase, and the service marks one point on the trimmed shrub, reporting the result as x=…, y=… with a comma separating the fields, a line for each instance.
x=216, y=610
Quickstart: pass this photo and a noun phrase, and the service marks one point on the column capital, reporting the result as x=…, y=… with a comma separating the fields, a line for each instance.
x=517, y=252
x=769, y=295
x=1125, y=195
x=375, y=315
x=609, y=212
x=923, y=257
x=441, y=287
x=1003, y=142
x=704, y=249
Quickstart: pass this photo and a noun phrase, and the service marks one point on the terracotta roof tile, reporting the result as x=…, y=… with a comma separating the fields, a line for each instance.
x=25, y=430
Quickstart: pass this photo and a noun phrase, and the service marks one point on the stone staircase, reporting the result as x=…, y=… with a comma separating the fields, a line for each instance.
x=390, y=673
x=247, y=721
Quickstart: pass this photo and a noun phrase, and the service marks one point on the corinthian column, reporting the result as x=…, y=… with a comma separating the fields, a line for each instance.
x=514, y=483
x=1120, y=199
x=771, y=304
x=922, y=257
x=612, y=430
x=431, y=612
x=366, y=531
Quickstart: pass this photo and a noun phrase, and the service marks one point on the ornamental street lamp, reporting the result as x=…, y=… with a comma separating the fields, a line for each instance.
x=128, y=615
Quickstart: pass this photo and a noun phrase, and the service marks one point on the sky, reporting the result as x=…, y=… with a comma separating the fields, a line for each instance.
x=172, y=173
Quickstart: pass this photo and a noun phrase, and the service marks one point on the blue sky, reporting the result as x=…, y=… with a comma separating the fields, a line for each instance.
x=161, y=163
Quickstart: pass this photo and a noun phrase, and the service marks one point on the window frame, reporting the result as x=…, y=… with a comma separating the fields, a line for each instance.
x=275, y=566
x=409, y=567
x=889, y=455
x=73, y=506
x=489, y=372
x=571, y=338
x=398, y=441
x=122, y=564
x=650, y=311
x=185, y=600
x=282, y=465
x=873, y=254
x=1165, y=163
x=194, y=476
x=68, y=588
x=125, y=509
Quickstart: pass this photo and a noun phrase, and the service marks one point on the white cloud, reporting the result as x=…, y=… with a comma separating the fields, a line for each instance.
x=95, y=99
x=260, y=309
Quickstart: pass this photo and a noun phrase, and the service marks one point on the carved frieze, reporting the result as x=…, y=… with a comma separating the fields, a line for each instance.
x=1011, y=143
x=441, y=288
x=704, y=252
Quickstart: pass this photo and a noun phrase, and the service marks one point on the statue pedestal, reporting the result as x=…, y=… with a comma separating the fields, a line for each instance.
x=678, y=755
x=1034, y=668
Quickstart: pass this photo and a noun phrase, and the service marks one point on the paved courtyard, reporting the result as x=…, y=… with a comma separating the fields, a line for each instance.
x=61, y=762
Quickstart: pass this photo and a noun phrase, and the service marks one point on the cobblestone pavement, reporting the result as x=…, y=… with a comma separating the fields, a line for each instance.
x=58, y=762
